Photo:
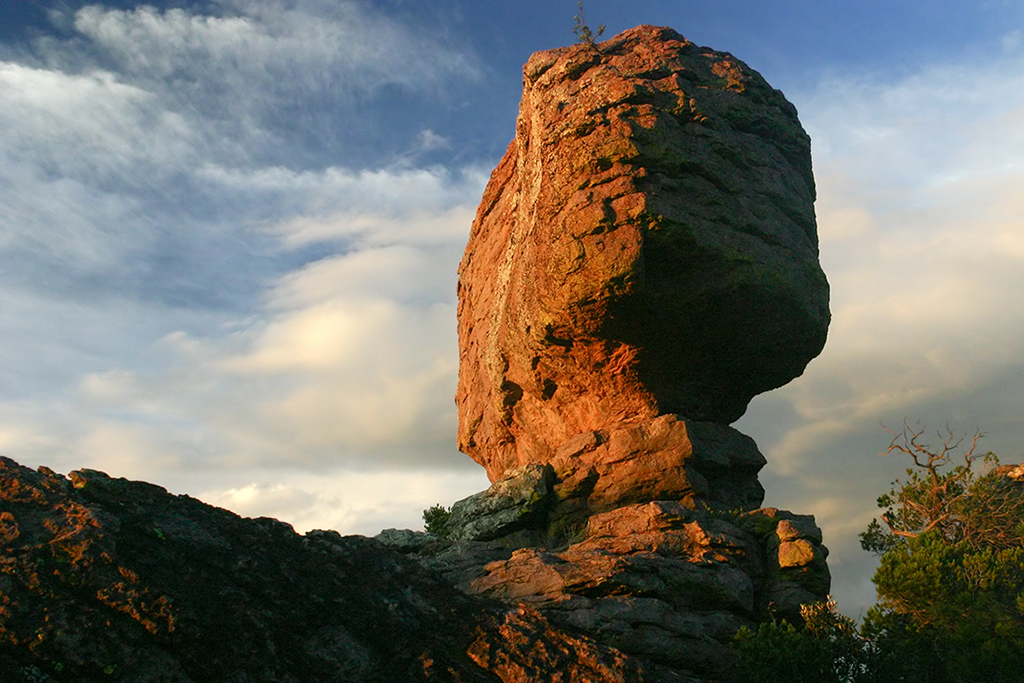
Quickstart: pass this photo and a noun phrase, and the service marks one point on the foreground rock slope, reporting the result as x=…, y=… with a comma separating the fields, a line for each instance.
x=105, y=579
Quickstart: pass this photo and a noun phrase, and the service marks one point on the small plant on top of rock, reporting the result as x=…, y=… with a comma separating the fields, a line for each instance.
x=435, y=519
x=583, y=32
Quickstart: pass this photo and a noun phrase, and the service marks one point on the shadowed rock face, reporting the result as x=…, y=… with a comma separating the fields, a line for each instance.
x=646, y=246
x=106, y=579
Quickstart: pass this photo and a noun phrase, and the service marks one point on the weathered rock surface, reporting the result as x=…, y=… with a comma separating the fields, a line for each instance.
x=647, y=246
x=663, y=458
x=106, y=579
x=660, y=581
x=519, y=501
x=701, y=464
x=526, y=648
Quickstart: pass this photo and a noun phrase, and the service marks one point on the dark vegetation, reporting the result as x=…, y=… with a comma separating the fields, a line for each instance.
x=950, y=584
x=435, y=519
x=583, y=31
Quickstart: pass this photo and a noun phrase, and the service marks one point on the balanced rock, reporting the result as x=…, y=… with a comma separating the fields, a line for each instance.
x=646, y=246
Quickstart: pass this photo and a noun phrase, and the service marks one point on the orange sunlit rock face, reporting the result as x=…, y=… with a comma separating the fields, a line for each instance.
x=646, y=246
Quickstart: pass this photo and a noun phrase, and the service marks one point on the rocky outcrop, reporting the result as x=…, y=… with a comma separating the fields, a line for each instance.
x=520, y=501
x=663, y=458
x=647, y=246
x=106, y=579
x=665, y=583
x=644, y=261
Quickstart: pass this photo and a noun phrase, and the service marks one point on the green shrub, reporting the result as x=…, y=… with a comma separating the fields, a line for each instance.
x=826, y=649
x=435, y=519
x=583, y=32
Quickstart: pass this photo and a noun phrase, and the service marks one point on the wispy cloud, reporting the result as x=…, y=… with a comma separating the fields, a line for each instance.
x=203, y=282
x=272, y=82
x=921, y=218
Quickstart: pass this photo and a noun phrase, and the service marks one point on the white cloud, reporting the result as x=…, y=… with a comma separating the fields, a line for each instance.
x=352, y=502
x=267, y=80
x=146, y=156
x=325, y=44
x=75, y=125
x=353, y=359
x=67, y=141
x=920, y=215
x=203, y=288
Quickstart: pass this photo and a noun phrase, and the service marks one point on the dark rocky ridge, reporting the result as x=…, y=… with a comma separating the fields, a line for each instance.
x=106, y=579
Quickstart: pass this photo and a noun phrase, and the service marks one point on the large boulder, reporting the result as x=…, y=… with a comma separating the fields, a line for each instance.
x=646, y=246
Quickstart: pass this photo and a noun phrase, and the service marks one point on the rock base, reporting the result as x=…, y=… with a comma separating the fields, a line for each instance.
x=665, y=583
x=701, y=464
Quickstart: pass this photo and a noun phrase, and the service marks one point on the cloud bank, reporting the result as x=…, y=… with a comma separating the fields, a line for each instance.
x=209, y=285
x=921, y=222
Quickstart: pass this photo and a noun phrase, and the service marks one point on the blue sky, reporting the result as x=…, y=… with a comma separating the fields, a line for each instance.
x=229, y=233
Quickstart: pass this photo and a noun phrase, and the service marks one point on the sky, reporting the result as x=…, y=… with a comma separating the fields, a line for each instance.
x=229, y=234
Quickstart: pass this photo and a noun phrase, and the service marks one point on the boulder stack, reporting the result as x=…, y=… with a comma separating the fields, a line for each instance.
x=644, y=262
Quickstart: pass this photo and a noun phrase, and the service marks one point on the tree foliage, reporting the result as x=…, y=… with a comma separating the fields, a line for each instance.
x=943, y=492
x=435, y=519
x=950, y=582
x=951, y=579
x=826, y=649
